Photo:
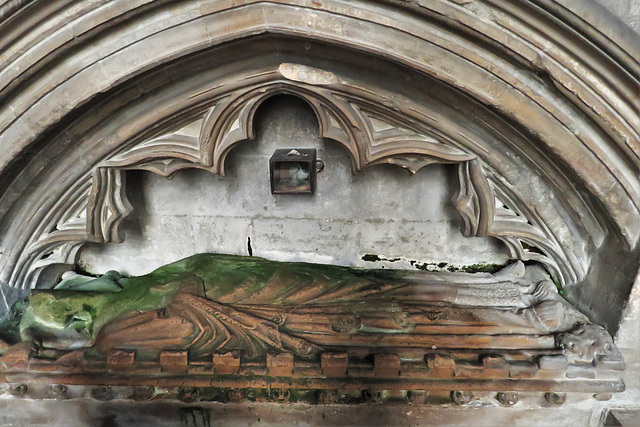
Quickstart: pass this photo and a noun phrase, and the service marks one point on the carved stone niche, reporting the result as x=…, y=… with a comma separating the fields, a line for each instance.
x=92, y=209
x=333, y=334
x=546, y=155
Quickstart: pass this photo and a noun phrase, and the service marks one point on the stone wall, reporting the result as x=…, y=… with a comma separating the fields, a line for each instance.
x=383, y=212
x=627, y=10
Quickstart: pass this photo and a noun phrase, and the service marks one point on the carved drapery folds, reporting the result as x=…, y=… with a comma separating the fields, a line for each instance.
x=231, y=321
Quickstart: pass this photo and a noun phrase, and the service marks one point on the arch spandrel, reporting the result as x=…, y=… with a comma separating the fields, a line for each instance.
x=472, y=80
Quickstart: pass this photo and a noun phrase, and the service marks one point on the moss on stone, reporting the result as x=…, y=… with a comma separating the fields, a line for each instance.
x=77, y=314
x=215, y=275
x=10, y=324
x=481, y=268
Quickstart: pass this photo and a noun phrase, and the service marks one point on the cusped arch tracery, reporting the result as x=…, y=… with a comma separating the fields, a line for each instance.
x=371, y=134
x=541, y=97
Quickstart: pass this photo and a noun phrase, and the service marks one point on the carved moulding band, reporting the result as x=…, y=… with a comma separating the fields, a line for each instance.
x=370, y=133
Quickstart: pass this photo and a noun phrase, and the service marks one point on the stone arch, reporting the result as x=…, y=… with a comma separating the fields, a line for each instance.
x=553, y=112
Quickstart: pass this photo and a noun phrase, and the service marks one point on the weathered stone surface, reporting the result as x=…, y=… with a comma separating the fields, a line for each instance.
x=442, y=366
x=563, y=112
x=179, y=324
x=556, y=362
x=280, y=365
x=227, y=363
x=174, y=361
x=121, y=358
x=334, y=364
x=534, y=104
x=386, y=365
x=17, y=356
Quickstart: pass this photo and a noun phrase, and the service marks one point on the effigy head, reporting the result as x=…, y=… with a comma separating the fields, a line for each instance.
x=591, y=344
x=63, y=323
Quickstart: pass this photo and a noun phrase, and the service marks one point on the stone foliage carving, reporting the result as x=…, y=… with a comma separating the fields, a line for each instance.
x=591, y=345
x=487, y=213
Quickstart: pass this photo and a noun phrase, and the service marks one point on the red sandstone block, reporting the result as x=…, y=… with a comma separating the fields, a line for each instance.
x=179, y=357
x=174, y=361
x=386, y=365
x=494, y=362
x=43, y=367
x=71, y=360
x=436, y=361
x=120, y=358
x=360, y=372
x=414, y=371
x=146, y=369
x=495, y=366
x=258, y=371
x=334, y=364
x=228, y=363
x=199, y=369
x=440, y=366
x=522, y=370
x=280, y=365
x=18, y=353
x=15, y=366
x=470, y=371
x=91, y=365
x=308, y=371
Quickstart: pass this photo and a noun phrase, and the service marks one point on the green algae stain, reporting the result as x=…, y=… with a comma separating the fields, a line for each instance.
x=558, y=285
x=480, y=268
x=215, y=275
x=86, y=312
x=211, y=275
x=10, y=324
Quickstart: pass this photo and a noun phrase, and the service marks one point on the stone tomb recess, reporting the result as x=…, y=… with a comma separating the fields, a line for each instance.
x=518, y=121
x=232, y=328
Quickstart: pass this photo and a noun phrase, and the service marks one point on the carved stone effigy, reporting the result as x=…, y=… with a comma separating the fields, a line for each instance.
x=215, y=320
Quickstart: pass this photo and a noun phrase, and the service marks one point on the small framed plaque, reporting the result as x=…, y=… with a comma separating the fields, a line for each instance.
x=293, y=171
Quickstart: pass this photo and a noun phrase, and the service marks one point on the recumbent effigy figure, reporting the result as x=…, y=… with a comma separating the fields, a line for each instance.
x=212, y=303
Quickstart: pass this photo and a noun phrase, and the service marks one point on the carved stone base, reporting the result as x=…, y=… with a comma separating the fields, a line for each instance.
x=363, y=336
x=335, y=378
x=251, y=386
